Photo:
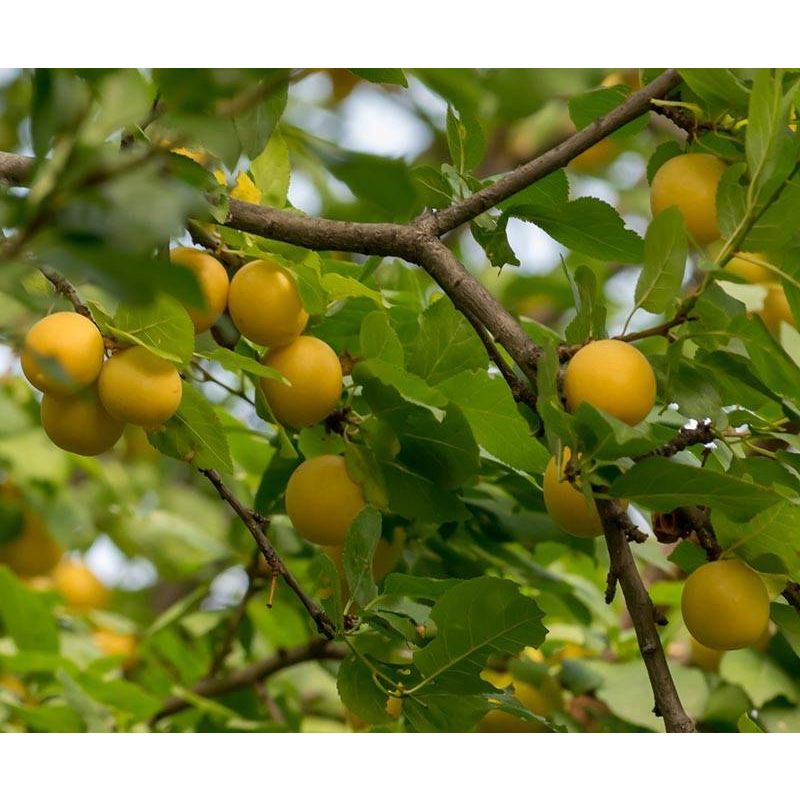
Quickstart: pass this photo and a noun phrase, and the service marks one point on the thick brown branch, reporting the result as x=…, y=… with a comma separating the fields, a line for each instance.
x=318, y=650
x=559, y=156
x=642, y=612
x=474, y=300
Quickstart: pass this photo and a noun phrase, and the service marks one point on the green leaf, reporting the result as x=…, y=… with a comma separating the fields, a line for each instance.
x=236, y=362
x=477, y=619
x=605, y=438
x=418, y=586
x=26, y=616
x=379, y=339
x=414, y=496
x=389, y=75
x=590, y=320
x=254, y=127
x=496, y=423
x=490, y=232
x=758, y=676
x=121, y=695
x=359, y=550
x=770, y=541
x=51, y=718
x=308, y=275
x=163, y=327
x=589, y=226
x=128, y=277
x=447, y=344
x=272, y=171
x=720, y=88
x=194, y=434
x=363, y=466
x=411, y=387
x=443, y=451
x=663, y=153
x=769, y=147
x=443, y=713
x=662, y=485
x=177, y=610
x=550, y=192
x=465, y=139
x=590, y=106
x=359, y=692
x=385, y=183
x=665, y=251
x=340, y=286
x=557, y=422
x=627, y=691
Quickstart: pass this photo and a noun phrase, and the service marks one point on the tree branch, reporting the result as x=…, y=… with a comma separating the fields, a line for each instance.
x=642, y=611
x=318, y=650
x=256, y=524
x=559, y=156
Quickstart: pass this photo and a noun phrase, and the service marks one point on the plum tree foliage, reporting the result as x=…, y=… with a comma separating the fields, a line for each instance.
x=286, y=420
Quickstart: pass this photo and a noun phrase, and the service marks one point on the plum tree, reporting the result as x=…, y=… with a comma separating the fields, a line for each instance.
x=80, y=423
x=322, y=500
x=613, y=376
x=213, y=281
x=139, y=387
x=566, y=505
x=79, y=586
x=690, y=182
x=725, y=605
x=265, y=304
x=62, y=353
x=315, y=382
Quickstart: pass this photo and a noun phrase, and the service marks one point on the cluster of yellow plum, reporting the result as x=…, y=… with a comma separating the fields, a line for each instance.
x=690, y=183
x=725, y=604
x=615, y=377
x=35, y=556
x=88, y=399
x=322, y=500
x=265, y=306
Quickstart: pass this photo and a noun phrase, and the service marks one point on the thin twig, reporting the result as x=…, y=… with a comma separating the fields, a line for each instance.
x=318, y=650
x=256, y=525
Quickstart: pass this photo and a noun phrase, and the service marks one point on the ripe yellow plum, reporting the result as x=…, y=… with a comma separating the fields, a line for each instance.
x=322, y=500
x=725, y=605
x=62, y=353
x=566, y=504
x=140, y=387
x=690, y=182
x=78, y=585
x=776, y=308
x=265, y=304
x=613, y=376
x=596, y=157
x=34, y=552
x=315, y=377
x=80, y=423
x=213, y=281
x=113, y=643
